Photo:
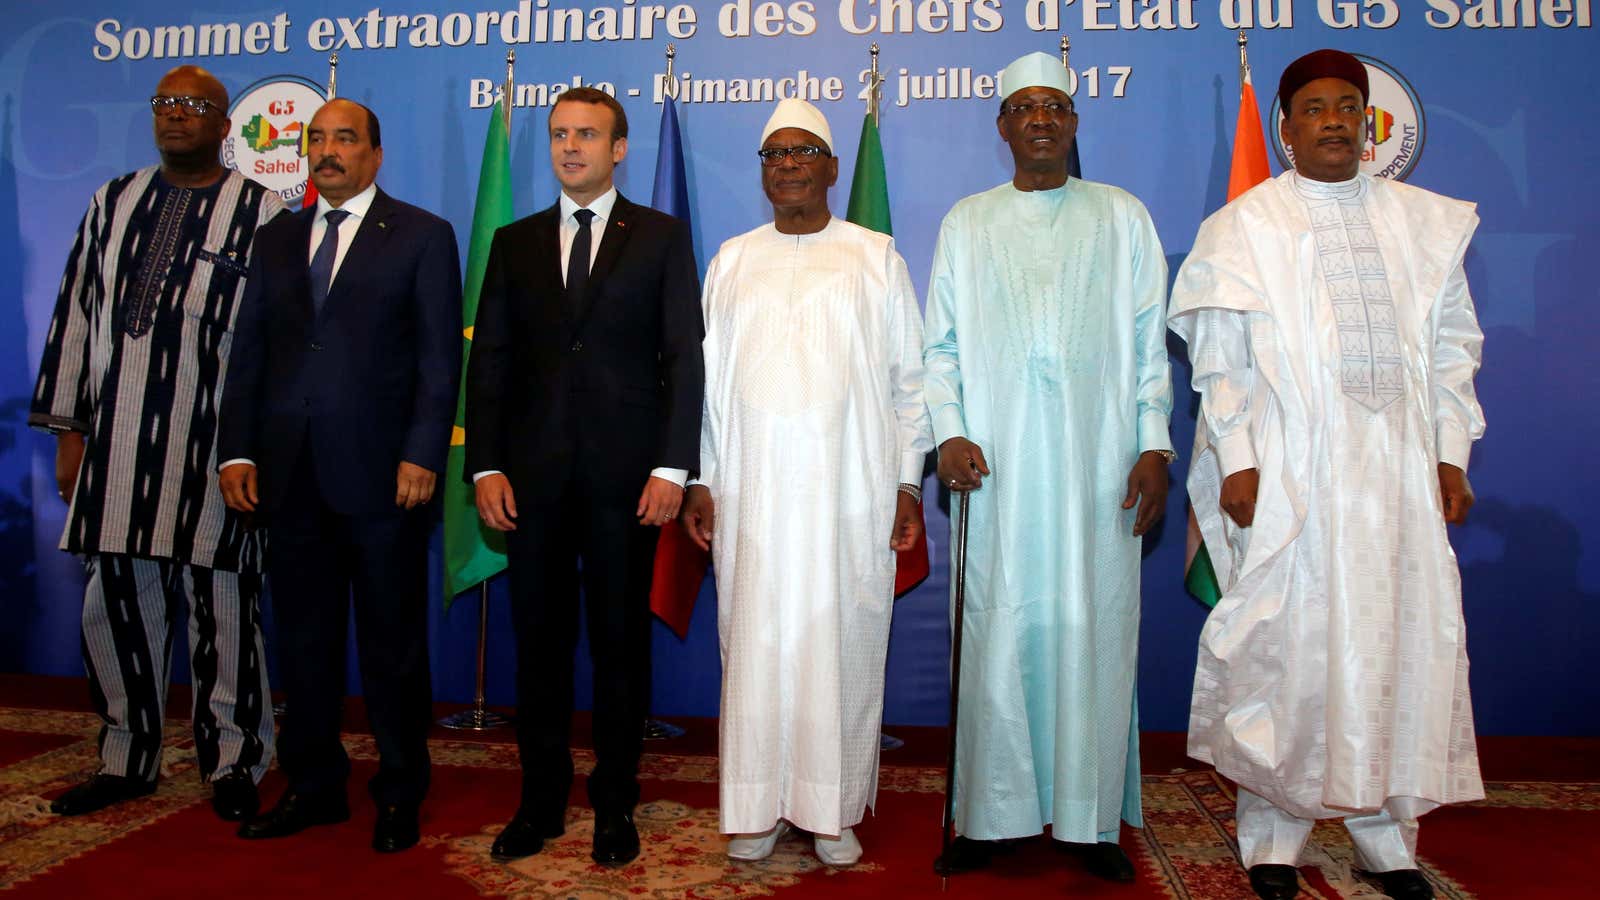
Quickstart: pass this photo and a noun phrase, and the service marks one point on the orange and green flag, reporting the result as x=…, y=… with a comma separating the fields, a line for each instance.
x=1249, y=144
x=1248, y=170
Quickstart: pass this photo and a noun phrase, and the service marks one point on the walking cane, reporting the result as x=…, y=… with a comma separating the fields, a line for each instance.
x=948, y=827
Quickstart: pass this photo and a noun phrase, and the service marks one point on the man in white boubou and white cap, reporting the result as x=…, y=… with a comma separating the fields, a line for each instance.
x=811, y=457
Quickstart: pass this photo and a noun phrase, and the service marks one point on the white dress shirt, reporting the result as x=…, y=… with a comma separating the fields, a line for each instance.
x=357, y=207
x=601, y=207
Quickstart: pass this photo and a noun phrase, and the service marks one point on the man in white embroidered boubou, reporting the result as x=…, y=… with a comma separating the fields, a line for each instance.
x=1334, y=345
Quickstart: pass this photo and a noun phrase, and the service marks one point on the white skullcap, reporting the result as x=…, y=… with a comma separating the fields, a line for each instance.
x=1034, y=70
x=797, y=113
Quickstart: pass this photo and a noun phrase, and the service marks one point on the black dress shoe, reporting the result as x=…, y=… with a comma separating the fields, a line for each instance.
x=616, y=840
x=522, y=837
x=234, y=797
x=964, y=855
x=1405, y=884
x=296, y=812
x=99, y=792
x=396, y=829
x=1105, y=860
x=1275, y=882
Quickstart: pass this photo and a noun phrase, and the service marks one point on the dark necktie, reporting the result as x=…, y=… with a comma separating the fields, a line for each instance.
x=322, y=260
x=578, y=261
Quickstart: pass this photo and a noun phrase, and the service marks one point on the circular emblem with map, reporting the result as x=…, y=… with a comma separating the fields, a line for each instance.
x=267, y=142
x=1396, y=124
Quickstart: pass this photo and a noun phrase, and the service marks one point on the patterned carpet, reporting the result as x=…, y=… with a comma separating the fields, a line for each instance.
x=169, y=844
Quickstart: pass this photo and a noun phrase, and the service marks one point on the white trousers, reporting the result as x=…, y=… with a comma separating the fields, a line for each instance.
x=1269, y=835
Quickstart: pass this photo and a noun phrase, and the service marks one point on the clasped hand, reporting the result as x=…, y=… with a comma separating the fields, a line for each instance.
x=700, y=516
x=497, y=502
x=1239, y=495
x=413, y=486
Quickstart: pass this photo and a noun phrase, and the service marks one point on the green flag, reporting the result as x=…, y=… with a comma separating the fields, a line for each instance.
x=474, y=553
x=869, y=186
x=1199, y=577
x=869, y=208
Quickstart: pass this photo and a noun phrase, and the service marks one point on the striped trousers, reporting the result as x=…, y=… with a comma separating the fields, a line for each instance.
x=129, y=610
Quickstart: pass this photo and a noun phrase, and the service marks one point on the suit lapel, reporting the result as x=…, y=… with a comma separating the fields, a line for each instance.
x=365, y=248
x=619, y=225
x=299, y=261
x=547, y=252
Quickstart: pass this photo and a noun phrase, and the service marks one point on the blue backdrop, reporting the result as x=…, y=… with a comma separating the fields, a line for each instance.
x=1509, y=123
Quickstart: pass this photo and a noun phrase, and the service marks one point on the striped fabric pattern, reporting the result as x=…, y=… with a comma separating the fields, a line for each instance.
x=130, y=606
x=136, y=357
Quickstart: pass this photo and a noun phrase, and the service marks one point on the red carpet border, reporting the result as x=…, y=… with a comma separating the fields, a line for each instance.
x=169, y=843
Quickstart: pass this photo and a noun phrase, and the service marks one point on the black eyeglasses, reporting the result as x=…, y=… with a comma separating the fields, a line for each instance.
x=194, y=106
x=1054, y=108
x=803, y=154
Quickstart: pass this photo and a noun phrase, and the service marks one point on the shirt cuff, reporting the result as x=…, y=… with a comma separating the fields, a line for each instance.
x=239, y=461
x=1234, y=453
x=911, y=467
x=948, y=423
x=1153, y=434
x=56, y=424
x=485, y=474
x=1455, y=447
x=676, y=476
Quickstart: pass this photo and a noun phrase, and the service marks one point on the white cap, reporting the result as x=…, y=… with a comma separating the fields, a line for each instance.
x=1035, y=70
x=797, y=113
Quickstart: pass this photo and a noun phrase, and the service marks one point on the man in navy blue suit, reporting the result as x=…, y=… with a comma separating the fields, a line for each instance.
x=335, y=422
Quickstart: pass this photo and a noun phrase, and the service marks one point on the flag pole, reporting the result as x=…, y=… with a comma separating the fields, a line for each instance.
x=670, y=87
x=308, y=197
x=875, y=89
x=1244, y=60
x=655, y=729
x=1074, y=168
x=886, y=741
x=479, y=717
x=508, y=94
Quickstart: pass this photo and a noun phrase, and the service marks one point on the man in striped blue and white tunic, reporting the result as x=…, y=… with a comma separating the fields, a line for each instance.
x=132, y=369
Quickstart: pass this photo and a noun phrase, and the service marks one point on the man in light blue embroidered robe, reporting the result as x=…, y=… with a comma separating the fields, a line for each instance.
x=1049, y=389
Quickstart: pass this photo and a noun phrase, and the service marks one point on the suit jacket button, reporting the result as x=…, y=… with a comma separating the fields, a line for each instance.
x=315, y=346
x=577, y=346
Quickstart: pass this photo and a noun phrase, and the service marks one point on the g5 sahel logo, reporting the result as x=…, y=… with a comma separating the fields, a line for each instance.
x=1396, y=124
x=268, y=141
